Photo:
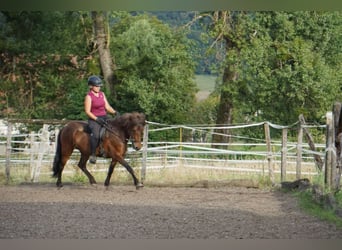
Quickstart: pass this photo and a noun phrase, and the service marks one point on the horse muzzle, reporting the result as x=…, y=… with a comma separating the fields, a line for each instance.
x=137, y=146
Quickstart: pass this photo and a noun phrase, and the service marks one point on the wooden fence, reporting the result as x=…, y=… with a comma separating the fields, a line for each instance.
x=333, y=159
x=194, y=149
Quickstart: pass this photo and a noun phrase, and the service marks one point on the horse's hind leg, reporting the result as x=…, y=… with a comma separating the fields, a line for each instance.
x=62, y=163
x=59, y=178
x=82, y=164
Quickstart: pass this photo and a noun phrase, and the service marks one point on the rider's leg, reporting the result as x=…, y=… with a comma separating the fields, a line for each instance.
x=94, y=139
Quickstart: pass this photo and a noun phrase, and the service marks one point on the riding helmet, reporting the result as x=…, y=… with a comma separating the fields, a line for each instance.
x=94, y=81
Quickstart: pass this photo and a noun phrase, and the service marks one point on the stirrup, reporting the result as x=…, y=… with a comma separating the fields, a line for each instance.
x=92, y=159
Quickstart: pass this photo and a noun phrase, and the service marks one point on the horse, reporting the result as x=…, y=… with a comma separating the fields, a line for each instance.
x=118, y=132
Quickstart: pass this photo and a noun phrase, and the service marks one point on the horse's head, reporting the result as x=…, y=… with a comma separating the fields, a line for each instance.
x=136, y=136
x=132, y=127
x=137, y=128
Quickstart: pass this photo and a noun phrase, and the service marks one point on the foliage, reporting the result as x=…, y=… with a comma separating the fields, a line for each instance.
x=287, y=64
x=187, y=20
x=47, y=80
x=205, y=111
x=154, y=69
x=42, y=87
x=42, y=74
x=285, y=72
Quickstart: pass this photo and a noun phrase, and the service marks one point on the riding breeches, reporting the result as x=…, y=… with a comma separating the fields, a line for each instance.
x=95, y=129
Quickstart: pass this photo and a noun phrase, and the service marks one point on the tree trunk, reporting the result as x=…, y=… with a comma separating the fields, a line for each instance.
x=102, y=44
x=225, y=110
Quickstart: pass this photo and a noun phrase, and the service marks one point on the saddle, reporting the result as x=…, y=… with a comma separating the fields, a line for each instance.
x=100, y=146
x=102, y=133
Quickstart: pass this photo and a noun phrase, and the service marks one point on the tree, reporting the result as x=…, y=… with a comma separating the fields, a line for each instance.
x=42, y=57
x=154, y=69
x=290, y=66
x=102, y=42
x=225, y=29
x=46, y=78
x=278, y=65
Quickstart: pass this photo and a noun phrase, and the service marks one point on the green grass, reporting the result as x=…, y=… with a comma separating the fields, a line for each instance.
x=310, y=206
x=205, y=82
x=307, y=203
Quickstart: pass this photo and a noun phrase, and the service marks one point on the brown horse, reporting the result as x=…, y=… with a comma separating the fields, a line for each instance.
x=113, y=145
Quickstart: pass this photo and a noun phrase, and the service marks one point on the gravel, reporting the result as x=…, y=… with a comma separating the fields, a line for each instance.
x=40, y=211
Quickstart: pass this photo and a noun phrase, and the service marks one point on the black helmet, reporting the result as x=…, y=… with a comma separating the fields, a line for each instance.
x=94, y=81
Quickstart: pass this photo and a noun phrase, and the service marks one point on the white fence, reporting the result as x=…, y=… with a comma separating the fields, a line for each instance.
x=243, y=154
x=34, y=151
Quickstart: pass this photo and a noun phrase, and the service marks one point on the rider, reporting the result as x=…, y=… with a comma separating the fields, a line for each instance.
x=96, y=107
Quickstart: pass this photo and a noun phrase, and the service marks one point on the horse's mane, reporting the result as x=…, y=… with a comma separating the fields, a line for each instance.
x=128, y=120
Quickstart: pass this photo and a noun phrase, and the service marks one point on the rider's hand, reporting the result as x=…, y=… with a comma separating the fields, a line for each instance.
x=101, y=121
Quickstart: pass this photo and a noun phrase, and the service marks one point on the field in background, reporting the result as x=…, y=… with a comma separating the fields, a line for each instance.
x=205, y=84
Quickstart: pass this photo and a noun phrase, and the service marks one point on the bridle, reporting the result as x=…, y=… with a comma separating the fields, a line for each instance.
x=126, y=140
x=110, y=129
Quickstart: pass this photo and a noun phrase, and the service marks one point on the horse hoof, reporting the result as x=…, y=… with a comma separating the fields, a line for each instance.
x=139, y=186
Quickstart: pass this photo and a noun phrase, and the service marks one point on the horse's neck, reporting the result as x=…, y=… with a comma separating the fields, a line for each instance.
x=119, y=131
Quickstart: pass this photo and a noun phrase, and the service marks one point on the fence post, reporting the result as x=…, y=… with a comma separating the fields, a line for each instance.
x=299, y=152
x=144, y=154
x=43, y=146
x=8, y=151
x=338, y=143
x=317, y=158
x=32, y=153
x=269, y=151
x=330, y=159
x=180, y=146
x=56, y=139
x=283, y=155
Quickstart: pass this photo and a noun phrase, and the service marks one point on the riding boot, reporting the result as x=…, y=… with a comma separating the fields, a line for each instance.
x=93, y=144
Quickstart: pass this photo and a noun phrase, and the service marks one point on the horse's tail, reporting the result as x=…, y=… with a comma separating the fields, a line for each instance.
x=57, y=161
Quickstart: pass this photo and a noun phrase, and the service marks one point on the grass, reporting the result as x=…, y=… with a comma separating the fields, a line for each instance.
x=205, y=82
x=307, y=203
x=310, y=206
x=165, y=176
x=206, y=85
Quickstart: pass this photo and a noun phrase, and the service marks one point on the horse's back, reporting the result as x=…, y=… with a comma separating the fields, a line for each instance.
x=75, y=127
x=75, y=133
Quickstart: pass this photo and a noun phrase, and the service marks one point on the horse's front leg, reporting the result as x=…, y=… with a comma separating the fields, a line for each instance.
x=110, y=172
x=82, y=164
x=137, y=183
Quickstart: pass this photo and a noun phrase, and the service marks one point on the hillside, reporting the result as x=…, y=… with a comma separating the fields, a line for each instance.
x=206, y=85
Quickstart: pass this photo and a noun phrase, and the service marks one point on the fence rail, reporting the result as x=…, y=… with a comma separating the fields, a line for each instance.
x=34, y=151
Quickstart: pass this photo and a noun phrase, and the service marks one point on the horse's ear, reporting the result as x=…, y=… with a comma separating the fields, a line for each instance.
x=141, y=116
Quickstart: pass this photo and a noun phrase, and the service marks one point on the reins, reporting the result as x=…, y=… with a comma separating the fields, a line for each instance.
x=109, y=129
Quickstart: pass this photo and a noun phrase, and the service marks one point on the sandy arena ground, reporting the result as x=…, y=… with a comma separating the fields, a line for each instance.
x=41, y=211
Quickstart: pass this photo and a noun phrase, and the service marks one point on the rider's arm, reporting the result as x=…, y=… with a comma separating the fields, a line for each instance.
x=108, y=107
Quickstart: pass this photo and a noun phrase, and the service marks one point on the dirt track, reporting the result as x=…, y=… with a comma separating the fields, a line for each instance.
x=79, y=212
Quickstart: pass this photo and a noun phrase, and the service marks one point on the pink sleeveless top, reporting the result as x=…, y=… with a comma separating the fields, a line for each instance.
x=97, y=104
